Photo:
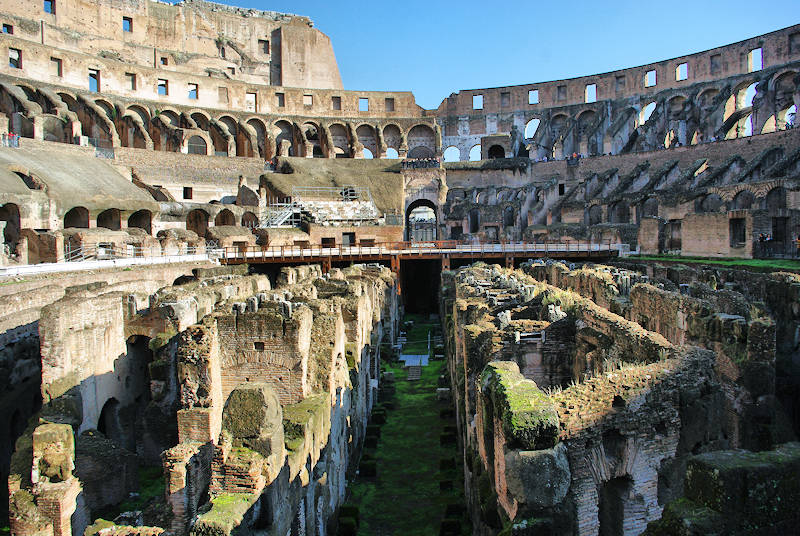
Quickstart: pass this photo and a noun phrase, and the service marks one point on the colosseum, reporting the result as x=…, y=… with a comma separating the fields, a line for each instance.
x=241, y=300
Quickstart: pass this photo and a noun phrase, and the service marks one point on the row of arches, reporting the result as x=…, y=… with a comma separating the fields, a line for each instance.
x=78, y=218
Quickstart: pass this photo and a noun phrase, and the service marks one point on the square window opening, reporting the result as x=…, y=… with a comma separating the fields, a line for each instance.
x=590, y=95
x=258, y=345
x=263, y=46
x=15, y=58
x=389, y=104
x=164, y=60
x=650, y=78
x=127, y=24
x=57, y=67
x=336, y=103
x=561, y=93
x=505, y=99
x=682, y=72
x=251, y=102
x=8, y=29
x=755, y=60
x=131, y=77
x=193, y=91
x=533, y=96
x=281, y=98
x=328, y=242
x=308, y=100
x=561, y=189
x=232, y=70
x=187, y=192
x=363, y=104
x=477, y=102
x=50, y=6
x=222, y=94
x=163, y=87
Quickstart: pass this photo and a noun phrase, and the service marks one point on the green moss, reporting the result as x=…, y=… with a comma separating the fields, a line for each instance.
x=226, y=513
x=162, y=339
x=757, y=265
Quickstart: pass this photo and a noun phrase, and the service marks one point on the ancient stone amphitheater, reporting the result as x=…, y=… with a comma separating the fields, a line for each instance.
x=209, y=247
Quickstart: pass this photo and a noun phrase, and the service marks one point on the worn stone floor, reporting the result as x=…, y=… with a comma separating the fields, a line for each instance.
x=413, y=486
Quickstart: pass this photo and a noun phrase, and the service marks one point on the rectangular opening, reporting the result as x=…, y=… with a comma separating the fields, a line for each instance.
x=94, y=80
x=755, y=60
x=533, y=96
x=363, y=104
x=193, y=91
x=328, y=242
x=308, y=100
x=187, y=192
x=127, y=24
x=716, y=63
x=779, y=229
x=650, y=78
x=131, y=78
x=232, y=70
x=15, y=58
x=222, y=94
x=56, y=67
x=336, y=103
x=8, y=29
x=222, y=52
x=348, y=239
x=164, y=60
x=561, y=188
x=505, y=99
x=281, y=100
x=794, y=43
x=477, y=102
x=50, y=6
x=163, y=87
x=737, y=232
x=263, y=46
x=682, y=72
x=619, y=84
x=561, y=93
x=590, y=95
x=389, y=104
x=251, y=102
x=367, y=242
x=259, y=345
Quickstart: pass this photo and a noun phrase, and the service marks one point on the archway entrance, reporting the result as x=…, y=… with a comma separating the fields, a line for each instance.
x=421, y=221
x=197, y=221
x=496, y=151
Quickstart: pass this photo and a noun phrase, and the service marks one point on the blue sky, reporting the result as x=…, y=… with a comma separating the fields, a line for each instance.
x=435, y=48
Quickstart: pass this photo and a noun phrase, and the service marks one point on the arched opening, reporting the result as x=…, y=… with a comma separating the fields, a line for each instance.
x=649, y=208
x=531, y=127
x=421, y=221
x=109, y=219
x=141, y=219
x=225, y=217
x=646, y=112
x=9, y=213
x=743, y=200
x=614, y=500
x=249, y=220
x=776, y=199
x=197, y=145
x=421, y=142
x=77, y=217
x=508, y=217
x=475, y=153
x=312, y=140
x=496, y=151
x=367, y=154
x=711, y=203
x=594, y=215
x=197, y=221
x=474, y=220
x=366, y=136
x=284, y=132
x=393, y=139
x=619, y=212
x=340, y=141
x=109, y=423
x=420, y=152
x=452, y=154
x=392, y=153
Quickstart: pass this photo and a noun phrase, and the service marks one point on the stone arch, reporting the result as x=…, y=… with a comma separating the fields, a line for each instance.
x=109, y=219
x=313, y=137
x=531, y=127
x=711, y=203
x=452, y=154
x=261, y=137
x=496, y=151
x=706, y=98
x=77, y=217
x=743, y=200
x=647, y=112
x=249, y=220
x=475, y=153
x=675, y=106
x=197, y=145
x=594, y=215
x=283, y=131
x=9, y=213
x=367, y=137
x=224, y=217
x=107, y=107
x=619, y=212
x=197, y=221
x=109, y=423
x=340, y=141
x=421, y=142
x=776, y=199
x=648, y=208
x=508, y=217
x=141, y=219
x=421, y=231
x=393, y=137
x=142, y=112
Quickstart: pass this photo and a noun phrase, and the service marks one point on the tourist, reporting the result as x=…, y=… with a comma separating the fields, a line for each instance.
x=797, y=243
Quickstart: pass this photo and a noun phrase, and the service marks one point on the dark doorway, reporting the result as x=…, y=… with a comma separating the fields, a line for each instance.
x=421, y=221
x=420, y=285
x=496, y=151
x=614, y=496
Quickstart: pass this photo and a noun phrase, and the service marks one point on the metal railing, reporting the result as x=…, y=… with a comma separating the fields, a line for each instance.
x=411, y=249
x=331, y=193
x=104, y=252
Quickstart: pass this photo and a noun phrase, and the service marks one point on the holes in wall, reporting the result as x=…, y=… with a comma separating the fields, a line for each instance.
x=477, y=102
x=496, y=151
x=187, y=192
x=650, y=78
x=531, y=127
x=475, y=153
x=452, y=154
x=263, y=46
x=15, y=58
x=363, y=104
x=646, y=112
x=94, y=80
x=56, y=67
x=392, y=153
x=127, y=24
x=163, y=87
x=505, y=99
x=590, y=94
x=193, y=92
x=308, y=100
x=336, y=103
x=280, y=99
x=533, y=96
x=258, y=345
x=755, y=60
x=682, y=72
x=8, y=29
x=131, y=81
x=251, y=102
x=561, y=93
x=715, y=63
x=367, y=154
x=389, y=104
x=50, y=6
x=164, y=60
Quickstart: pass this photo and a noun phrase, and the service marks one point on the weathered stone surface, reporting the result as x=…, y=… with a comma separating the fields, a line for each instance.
x=539, y=478
x=254, y=418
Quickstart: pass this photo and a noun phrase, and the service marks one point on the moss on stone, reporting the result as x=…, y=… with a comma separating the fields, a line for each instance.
x=226, y=513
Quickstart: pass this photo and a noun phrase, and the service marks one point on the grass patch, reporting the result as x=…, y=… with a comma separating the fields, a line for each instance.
x=761, y=265
x=417, y=335
x=405, y=498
